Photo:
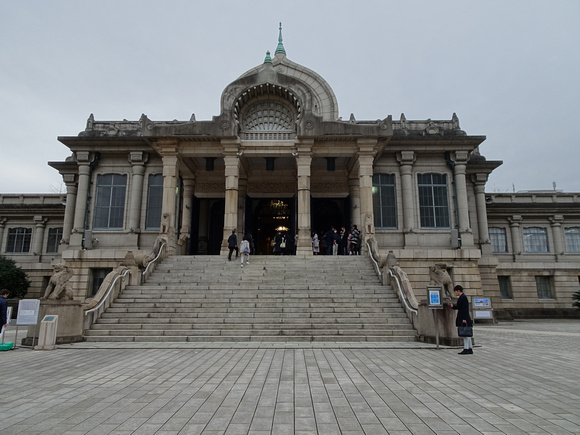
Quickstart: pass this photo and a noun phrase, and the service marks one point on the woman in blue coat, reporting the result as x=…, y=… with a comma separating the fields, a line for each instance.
x=463, y=317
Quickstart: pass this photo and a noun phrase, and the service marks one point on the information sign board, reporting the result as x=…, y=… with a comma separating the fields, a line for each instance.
x=28, y=310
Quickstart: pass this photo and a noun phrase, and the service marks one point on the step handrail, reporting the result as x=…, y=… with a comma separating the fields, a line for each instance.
x=111, y=287
x=401, y=293
x=392, y=276
x=144, y=274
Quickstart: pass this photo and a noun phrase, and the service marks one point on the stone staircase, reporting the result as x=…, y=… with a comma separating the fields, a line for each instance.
x=275, y=298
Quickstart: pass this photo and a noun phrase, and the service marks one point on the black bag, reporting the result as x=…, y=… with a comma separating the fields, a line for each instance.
x=465, y=331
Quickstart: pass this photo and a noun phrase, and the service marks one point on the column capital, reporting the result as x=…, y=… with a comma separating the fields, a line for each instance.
x=406, y=157
x=138, y=157
x=461, y=157
x=83, y=157
x=479, y=178
x=515, y=220
x=556, y=220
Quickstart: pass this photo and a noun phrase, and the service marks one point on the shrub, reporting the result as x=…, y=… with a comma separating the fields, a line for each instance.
x=13, y=278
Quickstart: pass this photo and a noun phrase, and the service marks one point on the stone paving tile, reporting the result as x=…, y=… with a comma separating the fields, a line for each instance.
x=522, y=378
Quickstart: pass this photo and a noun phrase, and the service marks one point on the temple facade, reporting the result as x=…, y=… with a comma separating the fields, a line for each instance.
x=279, y=158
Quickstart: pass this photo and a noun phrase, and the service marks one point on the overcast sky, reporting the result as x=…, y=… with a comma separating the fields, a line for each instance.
x=509, y=69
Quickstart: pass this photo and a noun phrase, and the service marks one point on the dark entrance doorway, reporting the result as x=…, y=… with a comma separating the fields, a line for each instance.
x=266, y=217
x=329, y=212
x=207, y=226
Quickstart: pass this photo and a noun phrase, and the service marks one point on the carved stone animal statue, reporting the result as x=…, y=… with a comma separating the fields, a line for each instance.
x=439, y=275
x=59, y=286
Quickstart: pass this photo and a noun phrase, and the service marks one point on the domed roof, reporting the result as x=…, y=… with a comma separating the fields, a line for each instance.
x=306, y=90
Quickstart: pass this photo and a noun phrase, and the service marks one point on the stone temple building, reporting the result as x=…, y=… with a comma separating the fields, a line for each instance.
x=279, y=158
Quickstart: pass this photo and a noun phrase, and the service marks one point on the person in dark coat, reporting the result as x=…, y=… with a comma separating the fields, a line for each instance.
x=463, y=317
x=3, y=309
x=233, y=244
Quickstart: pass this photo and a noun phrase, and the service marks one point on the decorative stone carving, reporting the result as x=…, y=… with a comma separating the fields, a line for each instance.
x=439, y=275
x=59, y=286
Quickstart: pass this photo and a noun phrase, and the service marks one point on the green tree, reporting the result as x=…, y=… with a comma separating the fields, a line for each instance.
x=13, y=278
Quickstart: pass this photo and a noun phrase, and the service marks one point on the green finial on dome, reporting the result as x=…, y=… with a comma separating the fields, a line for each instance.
x=280, y=49
x=268, y=58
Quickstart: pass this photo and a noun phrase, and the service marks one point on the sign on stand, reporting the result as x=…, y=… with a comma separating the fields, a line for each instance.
x=435, y=303
x=28, y=310
x=482, y=309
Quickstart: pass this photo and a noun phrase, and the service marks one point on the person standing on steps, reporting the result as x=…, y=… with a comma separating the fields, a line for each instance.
x=233, y=244
x=463, y=317
x=355, y=241
x=245, y=254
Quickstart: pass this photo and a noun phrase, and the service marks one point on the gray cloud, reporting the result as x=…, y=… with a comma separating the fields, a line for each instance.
x=508, y=69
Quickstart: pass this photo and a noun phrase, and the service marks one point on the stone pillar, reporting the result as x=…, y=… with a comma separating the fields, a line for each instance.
x=303, y=167
x=479, y=181
x=242, y=192
x=137, y=160
x=406, y=160
x=557, y=235
x=170, y=176
x=69, y=211
x=38, y=235
x=462, y=201
x=354, y=190
x=2, y=226
x=366, y=155
x=83, y=160
x=185, y=230
x=515, y=222
x=232, y=173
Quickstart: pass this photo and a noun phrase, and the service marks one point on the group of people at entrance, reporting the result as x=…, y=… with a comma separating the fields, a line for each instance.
x=337, y=243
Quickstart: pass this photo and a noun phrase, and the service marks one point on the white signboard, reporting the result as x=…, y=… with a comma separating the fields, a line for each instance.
x=28, y=312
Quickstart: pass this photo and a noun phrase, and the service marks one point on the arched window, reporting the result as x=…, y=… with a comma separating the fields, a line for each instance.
x=268, y=116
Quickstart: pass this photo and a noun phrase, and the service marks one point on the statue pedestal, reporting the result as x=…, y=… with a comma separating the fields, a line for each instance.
x=442, y=319
x=70, y=322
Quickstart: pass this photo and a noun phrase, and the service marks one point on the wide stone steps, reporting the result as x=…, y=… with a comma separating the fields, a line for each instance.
x=207, y=298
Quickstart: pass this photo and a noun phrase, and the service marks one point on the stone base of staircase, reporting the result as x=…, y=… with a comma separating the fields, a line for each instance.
x=274, y=298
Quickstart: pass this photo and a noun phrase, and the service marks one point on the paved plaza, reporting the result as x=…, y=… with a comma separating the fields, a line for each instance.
x=523, y=378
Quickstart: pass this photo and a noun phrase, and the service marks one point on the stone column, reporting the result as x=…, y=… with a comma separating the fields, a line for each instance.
x=185, y=230
x=2, y=226
x=366, y=155
x=38, y=235
x=232, y=173
x=137, y=160
x=556, y=222
x=69, y=211
x=354, y=189
x=83, y=160
x=462, y=201
x=406, y=160
x=515, y=222
x=479, y=181
x=170, y=176
x=303, y=168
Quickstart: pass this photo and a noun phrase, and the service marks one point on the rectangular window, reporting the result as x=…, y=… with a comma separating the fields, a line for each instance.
x=572, y=237
x=498, y=239
x=433, y=201
x=19, y=240
x=505, y=287
x=385, y=200
x=98, y=275
x=545, y=287
x=110, y=201
x=54, y=238
x=535, y=240
x=154, y=202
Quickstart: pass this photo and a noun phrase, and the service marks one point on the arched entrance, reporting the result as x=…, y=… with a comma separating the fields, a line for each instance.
x=270, y=216
x=327, y=213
